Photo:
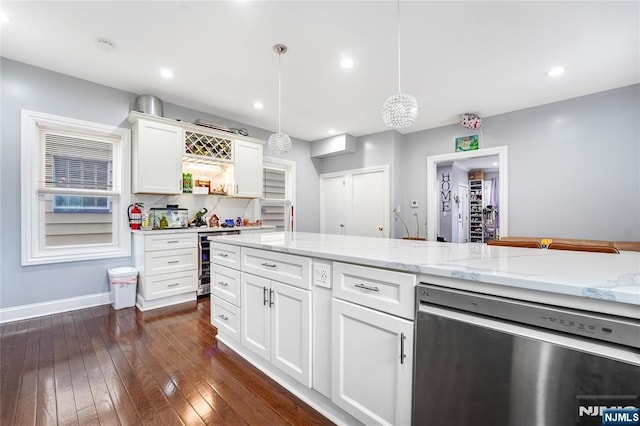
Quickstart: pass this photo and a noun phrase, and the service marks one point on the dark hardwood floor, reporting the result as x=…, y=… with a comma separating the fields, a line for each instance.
x=109, y=367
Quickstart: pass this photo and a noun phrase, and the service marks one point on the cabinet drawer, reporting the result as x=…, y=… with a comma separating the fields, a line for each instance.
x=170, y=241
x=171, y=284
x=161, y=262
x=225, y=255
x=381, y=289
x=225, y=283
x=225, y=317
x=286, y=268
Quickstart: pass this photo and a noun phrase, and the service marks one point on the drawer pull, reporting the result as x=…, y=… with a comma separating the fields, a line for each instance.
x=222, y=283
x=365, y=287
x=268, y=265
x=173, y=241
x=223, y=255
x=173, y=285
x=223, y=317
x=402, y=354
x=173, y=261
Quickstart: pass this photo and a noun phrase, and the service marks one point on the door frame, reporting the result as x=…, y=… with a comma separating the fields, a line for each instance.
x=349, y=173
x=433, y=191
x=461, y=210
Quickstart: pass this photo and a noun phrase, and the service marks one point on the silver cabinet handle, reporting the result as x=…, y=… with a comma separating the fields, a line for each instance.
x=365, y=287
x=270, y=298
x=223, y=255
x=173, y=241
x=268, y=265
x=173, y=261
x=264, y=296
x=402, y=354
x=223, y=317
x=173, y=285
x=222, y=283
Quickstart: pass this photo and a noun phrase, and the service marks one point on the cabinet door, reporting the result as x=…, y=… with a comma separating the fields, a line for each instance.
x=291, y=331
x=256, y=332
x=248, y=169
x=372, y=358
x=157, y=158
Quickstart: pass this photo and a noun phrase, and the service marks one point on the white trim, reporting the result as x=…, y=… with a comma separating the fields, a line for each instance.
x=16, y=313
x=348, y=174
x=432, y=182
x=147, y=305
x=33, y=250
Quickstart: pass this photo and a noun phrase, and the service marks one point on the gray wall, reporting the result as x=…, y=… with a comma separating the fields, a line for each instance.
x=574, y=166
x=27, y=87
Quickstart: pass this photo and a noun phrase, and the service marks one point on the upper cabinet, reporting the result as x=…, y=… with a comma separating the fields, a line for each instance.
x=248, y=169
x=156, y=157
x=164, y=149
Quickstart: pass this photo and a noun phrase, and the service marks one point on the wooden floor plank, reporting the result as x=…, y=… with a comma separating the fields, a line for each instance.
x=100, y=366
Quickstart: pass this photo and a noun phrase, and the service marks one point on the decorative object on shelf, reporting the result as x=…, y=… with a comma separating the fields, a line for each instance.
x=202, y=187
x=470, y=121
x=241, y=131
x=406, y=229
x=467, y=143
x=187, y=183
x=399, y=110
x=214, y=221
x=279, y=143
x=204, y=123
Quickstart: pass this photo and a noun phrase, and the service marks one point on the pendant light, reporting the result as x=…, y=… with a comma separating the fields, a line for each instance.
x=279, y=143
x=399, y=110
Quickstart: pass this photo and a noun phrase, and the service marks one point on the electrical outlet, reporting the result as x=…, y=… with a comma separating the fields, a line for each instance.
x=322, y=274
x=414, y=203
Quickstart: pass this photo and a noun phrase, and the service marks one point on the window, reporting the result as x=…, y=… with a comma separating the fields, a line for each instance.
x=277, y=205
x=75, y=189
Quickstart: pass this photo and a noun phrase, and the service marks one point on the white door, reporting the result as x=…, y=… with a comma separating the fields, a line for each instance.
x=370, y=210
x=372, y=356
x=333, y=194
x=157, y=158
x=463, y=214
x=255, y=334
x=247, y=163
x=291, y=331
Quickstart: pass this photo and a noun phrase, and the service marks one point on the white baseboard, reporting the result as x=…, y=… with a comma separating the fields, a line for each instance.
x=16, y=313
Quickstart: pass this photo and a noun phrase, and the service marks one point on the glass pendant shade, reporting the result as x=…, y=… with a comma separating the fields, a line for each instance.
x=400, y=110
x=279, y=143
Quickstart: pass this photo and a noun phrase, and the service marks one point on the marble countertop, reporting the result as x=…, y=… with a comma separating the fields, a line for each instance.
x=602, y=276
x=200, y=229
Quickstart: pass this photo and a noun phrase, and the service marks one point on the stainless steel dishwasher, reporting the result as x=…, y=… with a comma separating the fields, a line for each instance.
x=484, y=360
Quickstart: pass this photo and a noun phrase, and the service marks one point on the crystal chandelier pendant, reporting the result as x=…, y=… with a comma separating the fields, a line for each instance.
x=400, y=110
x=279, y=143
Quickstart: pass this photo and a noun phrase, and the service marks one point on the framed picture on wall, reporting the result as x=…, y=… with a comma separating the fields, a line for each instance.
x=467, y=143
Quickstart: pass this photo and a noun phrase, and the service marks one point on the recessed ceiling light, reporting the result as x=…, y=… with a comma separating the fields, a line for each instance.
x=346, y=63
x=556, y=71
x=495, y=164
x=166, y=73
x=331, y=131
x=258, y=105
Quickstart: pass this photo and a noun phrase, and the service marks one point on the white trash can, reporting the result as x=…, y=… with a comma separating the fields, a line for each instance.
x=122, y=282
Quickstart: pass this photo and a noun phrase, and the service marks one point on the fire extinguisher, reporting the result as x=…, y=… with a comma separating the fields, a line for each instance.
x=135, y=216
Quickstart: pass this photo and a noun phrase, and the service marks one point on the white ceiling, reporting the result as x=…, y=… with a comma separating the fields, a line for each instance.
x=482, y=57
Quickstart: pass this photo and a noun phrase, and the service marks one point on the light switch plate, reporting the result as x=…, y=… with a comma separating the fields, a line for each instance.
x=414, y=203
x=322, y=273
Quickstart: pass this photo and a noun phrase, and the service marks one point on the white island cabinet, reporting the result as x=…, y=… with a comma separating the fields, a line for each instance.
x=372, y=348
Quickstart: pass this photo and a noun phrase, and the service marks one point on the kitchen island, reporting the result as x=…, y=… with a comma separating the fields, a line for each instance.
x=357, y=317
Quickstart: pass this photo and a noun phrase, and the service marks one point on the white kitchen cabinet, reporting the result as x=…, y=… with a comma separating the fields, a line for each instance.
x=372, y=357
x=156, y=157
x=276, y=324
x=167, y=267
x=248, y=168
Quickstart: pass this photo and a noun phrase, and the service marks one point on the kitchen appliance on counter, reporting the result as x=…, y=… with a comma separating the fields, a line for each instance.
x=165, y=218
x=204, y=259
x=486, y=360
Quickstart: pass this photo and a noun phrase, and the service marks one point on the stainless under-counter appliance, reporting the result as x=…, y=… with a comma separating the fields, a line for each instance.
x=485, y=360
x=204, y=263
